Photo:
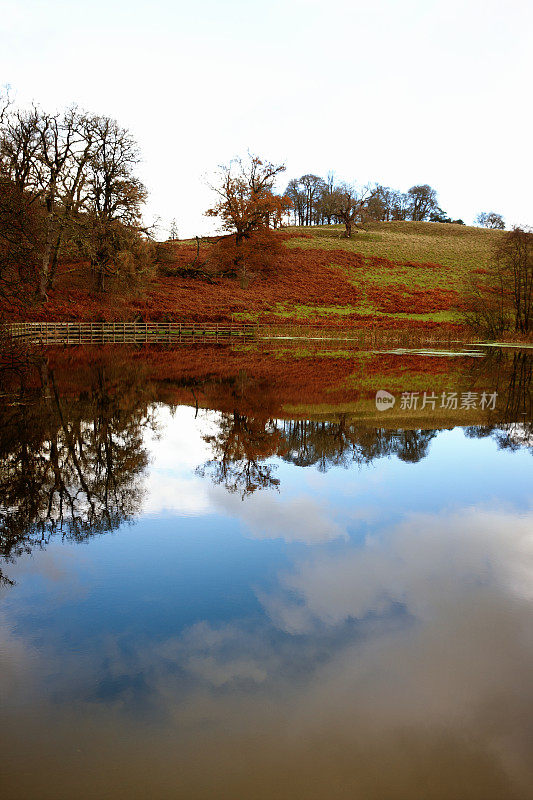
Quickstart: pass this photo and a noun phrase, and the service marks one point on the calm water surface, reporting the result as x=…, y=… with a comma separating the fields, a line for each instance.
x=209, y=595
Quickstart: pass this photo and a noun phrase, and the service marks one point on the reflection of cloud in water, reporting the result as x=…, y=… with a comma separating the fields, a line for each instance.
x=293, y=519
x=18, y=663
x=178, y=440
x=448, y=686
x=58, y=568
x=410, y=668
x=168, y=493
x=220, y=655
x=175, y=452
x=421, y=563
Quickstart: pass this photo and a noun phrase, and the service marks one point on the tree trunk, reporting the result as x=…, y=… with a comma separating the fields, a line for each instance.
x=47, y=251
x=100, y=278
x=44, y=272
x=55, y=260
x=98, y=268
x=42, y=297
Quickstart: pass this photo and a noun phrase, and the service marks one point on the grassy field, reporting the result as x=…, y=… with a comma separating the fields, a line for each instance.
x=392, y=276
x=459, y=247
x=414, y=261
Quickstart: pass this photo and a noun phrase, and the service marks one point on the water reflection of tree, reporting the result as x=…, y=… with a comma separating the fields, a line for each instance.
x=341, y=443
x=240, y=449
x=71, y=458
x=70, y=464
x=243, y=444
x=511, y=423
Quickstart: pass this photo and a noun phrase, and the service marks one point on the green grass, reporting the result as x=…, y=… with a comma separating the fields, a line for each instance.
x=308, y=312
x=427, y=255
x=245, y=316
x=459, y=247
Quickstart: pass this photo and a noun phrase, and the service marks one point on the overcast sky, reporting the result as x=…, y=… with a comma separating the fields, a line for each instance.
x=417, y=91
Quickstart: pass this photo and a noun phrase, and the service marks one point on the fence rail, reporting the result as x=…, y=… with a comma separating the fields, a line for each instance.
x=127, y=332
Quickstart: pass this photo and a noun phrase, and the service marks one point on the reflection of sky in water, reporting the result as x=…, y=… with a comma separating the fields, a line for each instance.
x=359, y=633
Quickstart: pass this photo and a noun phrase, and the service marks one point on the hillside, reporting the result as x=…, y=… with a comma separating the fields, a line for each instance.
x=410, y=271
x=393, y=275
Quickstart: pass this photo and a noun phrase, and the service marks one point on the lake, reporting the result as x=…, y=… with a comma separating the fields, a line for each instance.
x=284, y=571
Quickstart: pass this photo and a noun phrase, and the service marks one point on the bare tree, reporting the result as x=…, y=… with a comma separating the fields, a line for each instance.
x=20, y=144
x=21, y=244
x=328, y=200
x=21, y=219
x=503, y=300
x=423, y=200
x=298, y=197
x=5, y=103
x=400, y=205
x=45, y=156
x=57, y=135
x=515, y=262
x=381, y=204
x=352, y=206
x=313, y=186
x=78, y=172
x=174, y=232
x=80, y=130
x=489, y=219
x=112, y=203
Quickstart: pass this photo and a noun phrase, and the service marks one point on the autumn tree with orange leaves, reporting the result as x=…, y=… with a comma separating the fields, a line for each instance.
x=248, y=209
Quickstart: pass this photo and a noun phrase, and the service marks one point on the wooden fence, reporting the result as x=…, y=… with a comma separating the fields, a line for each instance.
x=128, y=332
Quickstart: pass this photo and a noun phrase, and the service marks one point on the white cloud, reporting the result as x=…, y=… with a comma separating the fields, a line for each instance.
x=272, y=516
x=175, y=450
x=421, y=563
x=440, y=696
x=220, y=655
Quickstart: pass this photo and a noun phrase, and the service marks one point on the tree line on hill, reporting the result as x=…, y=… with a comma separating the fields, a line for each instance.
x=247, y=201
x=319, y=201
x=500, y=302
